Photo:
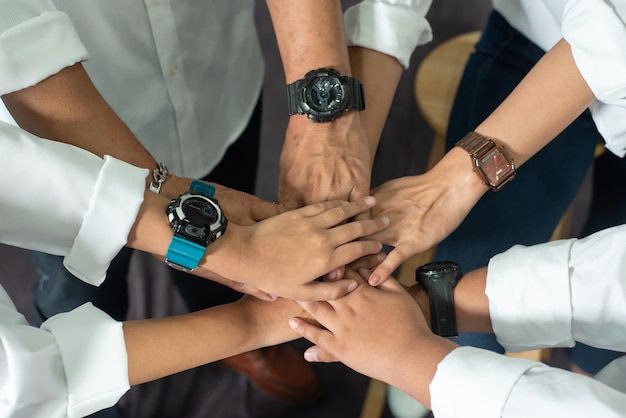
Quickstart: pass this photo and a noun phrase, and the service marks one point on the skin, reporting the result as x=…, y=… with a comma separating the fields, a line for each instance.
x=391, y=314
x=312, y=241
x=160, y=347
x=319, y=161
x=425, y=209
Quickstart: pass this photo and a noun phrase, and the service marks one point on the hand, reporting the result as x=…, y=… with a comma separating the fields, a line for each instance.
x=243, y=208
x=324, y=161
x=285, y=254
x=424, y=209
x=379, y=332
x=239, y=207
x=237, y=286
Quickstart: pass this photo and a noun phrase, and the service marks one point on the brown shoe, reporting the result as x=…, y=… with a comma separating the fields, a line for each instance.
x=280, y=371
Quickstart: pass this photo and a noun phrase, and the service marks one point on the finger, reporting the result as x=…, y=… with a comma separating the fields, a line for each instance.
x=357, y=229
x=312, y=333
x=317, y=354
x=347, y=253
x=345, y=211
x=315, y=209
x=381, y=273
x=368, y=262
x=322, y=291
x=336, y=274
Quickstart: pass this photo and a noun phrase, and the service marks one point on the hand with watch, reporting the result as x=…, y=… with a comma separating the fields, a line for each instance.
x=282, y=255
x=426, y=208
x=326, y=154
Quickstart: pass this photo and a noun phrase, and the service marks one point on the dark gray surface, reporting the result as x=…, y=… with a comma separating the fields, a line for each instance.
x=212, y=391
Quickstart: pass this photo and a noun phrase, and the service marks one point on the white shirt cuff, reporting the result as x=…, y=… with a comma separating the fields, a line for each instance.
x=393, y=28
x=52, y=44
x=111, y=214
x=94, y=358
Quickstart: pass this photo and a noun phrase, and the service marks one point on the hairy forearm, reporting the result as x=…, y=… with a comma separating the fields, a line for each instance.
x=310, y=35
x=163, y=346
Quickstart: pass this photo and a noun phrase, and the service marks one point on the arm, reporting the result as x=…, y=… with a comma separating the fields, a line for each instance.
x=50, y=369
x=425, y=209
x=319, y=161
x=435, y=371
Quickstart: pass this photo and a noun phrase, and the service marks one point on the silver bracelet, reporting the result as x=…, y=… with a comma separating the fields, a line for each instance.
x=159, y=175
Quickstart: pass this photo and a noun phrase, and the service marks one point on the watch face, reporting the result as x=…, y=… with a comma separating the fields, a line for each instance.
x=325, y=93
x=496, y=168
x=199, y=218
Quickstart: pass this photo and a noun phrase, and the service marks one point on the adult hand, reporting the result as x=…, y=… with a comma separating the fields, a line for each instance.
x=285, y=254
x=377, y=331
x=424, y=209
x=324, y=161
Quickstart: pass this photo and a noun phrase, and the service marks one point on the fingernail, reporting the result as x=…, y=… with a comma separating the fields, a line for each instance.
x=332, y=275
x=381, y=256
x=386, y=220
x=370, y=200
x=311, y=355
x=374, y=279
x=293, y=324
x=352, y=286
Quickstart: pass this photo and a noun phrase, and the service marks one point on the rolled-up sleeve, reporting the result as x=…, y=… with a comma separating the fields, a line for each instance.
x=74, y=365
x=596, y=32
x=36, y=41
x=392, y=27
x=63, y=200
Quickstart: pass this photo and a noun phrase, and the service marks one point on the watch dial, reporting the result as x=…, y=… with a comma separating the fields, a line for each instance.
x=495, y=166
x=200, y=211
x=325, y=94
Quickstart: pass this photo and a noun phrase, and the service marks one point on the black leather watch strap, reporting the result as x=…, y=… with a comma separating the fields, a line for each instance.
x=438, y=279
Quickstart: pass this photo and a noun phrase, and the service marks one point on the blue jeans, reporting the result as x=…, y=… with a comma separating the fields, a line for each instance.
x=527, y=210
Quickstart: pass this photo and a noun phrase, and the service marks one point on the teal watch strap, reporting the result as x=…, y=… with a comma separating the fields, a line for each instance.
x=184, y=254
x=202, y=187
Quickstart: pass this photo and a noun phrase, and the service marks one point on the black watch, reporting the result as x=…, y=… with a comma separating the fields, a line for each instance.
x=324, y=95
x=197, y=220
x=438, y=279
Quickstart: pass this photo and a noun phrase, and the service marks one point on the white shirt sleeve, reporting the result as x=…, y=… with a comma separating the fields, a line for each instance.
x=563, y=291
x=63, y=200
x=76, y=364
x=393, y=27
x=36, y=41
x=476, y=383
x=596, y=31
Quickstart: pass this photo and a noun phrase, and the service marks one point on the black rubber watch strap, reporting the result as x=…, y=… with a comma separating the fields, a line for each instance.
x=438, y=279
x=442, y=313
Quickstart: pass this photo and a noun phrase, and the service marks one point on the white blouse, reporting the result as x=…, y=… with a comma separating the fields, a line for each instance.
x=548, y=295
x=596, y=31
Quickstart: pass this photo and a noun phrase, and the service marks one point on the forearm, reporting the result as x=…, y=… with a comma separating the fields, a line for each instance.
x=380, y=74
x=546, y=101
x=160, y=347
x=66, y=107
x=310, y=35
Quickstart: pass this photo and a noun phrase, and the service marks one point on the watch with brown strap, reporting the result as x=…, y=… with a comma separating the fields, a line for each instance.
x=490, y=160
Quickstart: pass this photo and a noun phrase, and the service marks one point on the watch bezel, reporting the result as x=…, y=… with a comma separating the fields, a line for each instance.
x=483, y=150
x=179, y=220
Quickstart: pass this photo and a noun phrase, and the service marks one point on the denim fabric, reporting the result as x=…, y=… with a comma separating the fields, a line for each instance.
x=527, y=210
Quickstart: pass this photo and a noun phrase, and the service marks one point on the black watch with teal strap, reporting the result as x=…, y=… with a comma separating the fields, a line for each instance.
x=197, y=220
